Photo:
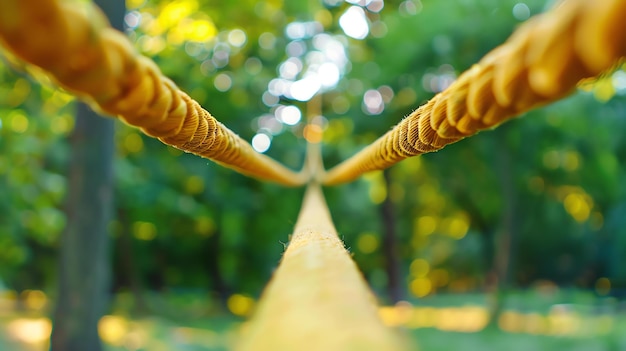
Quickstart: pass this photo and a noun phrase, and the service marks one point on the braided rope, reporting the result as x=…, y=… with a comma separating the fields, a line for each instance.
x=317, y=299
x=540, y=63
x=77, y=47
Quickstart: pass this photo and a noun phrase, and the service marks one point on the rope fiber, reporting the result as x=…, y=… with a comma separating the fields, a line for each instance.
x=541, y=62
x=76, y=46
x=317, y=299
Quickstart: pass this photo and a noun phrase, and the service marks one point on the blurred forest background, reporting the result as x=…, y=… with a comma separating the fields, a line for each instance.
x=521, y=228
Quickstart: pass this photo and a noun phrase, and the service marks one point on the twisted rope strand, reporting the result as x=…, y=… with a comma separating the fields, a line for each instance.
x=540, y=63
x=84, y=55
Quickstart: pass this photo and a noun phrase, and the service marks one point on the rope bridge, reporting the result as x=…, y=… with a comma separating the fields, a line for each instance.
x=317, y=300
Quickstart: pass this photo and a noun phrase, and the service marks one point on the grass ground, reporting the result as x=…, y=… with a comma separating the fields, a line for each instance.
x=494, y=340
x=532, y=321
x=217, y=335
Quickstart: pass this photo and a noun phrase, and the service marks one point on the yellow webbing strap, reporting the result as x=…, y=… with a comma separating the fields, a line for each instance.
x=76, y=46
x=540, y=63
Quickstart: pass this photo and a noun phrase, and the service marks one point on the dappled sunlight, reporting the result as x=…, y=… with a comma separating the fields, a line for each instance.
x=559, y=321
x=156, y=334
x=35, y=331
x=502, y=222
x=113, y=329
x=121, y=333
x=466, y=319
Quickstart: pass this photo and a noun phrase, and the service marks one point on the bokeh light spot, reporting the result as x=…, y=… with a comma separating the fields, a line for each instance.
x=577, y=206
x=340, y=105
x=34, y=299
x=419, y=268
x=133, y=143
x=61, y=124
x=410, y=7
x=421, y=287
x=305, y=89
x=132, y=19
x=30, y=331
x=261, y=142
x=267, y=41
x=113, y=329
x=375, y=5
x=253, y=66
x=521, y=12
x=223, y=82
x=289, y=115
x=367, y=243
x=619, y=82
x=373, y=103
x=457, y=227
x=240, y=305
x=204, y=226
x=144, y=230
x=237, y=37
x=194, y=185
x=354, y=23
x=18, y=121
x=425, y=225
x=313, y=133
x=551, y=159
x=329, y=74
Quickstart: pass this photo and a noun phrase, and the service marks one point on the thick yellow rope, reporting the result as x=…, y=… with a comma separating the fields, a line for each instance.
x=540, y=63
x=317, y=300
x=77, y=47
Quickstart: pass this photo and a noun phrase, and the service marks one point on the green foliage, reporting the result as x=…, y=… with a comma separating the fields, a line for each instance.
x=194, y=225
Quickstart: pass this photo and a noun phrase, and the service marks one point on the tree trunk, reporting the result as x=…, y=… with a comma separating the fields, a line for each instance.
x=130, y=271
x=84, y=255
x=213, y=250
x=506, y=237
x=84, y=259
x=392, y=264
